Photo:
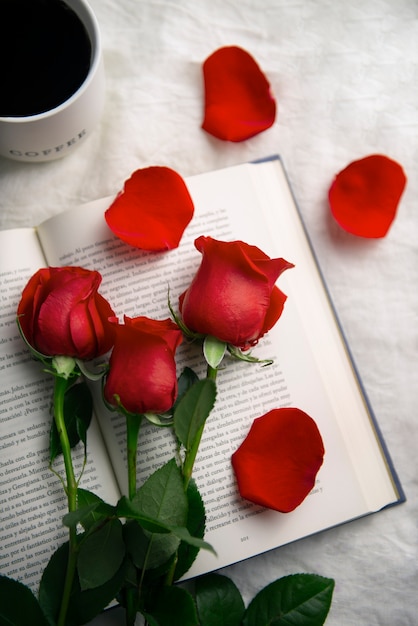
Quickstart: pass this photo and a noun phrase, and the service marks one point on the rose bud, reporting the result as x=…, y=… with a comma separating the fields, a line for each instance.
x=233, y=296
x=61, y=313
x=142, y=370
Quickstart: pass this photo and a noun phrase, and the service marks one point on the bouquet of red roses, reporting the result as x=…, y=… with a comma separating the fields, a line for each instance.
x=135, y=550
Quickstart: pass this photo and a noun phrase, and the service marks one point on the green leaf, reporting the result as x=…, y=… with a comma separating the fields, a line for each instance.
x=84, y=605
x=219, y=602
x=186, y=380
x=78, y=408
x=213, y=351
x=99, y=508
x=149, y=550
x=158, y=505
x=88, y=514
x=152, y=542
x=100, y=555
x=297, y=600
x=162, y=496
x=17, y=604
x=183, y=534
x=149, y=619
x=52, y=583
x=173, y=601
x=126, y=508
x=195, y=525
x=154, y=528
x=193, y=410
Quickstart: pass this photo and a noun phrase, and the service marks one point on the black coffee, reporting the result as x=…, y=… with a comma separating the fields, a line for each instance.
x=45, y=55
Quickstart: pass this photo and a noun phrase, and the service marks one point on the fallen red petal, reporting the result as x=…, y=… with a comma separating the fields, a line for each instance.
x=364, y=196
x=153, y=210
x=277, y=463
x=238, y=100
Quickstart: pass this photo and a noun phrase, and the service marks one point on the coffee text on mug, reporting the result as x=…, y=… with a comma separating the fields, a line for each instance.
x=55, y=149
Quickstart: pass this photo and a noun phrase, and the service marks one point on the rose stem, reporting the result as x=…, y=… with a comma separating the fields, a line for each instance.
x=61, y=385
x=133, y=423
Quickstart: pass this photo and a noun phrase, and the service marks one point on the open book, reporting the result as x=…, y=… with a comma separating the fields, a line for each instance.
x=312, y=370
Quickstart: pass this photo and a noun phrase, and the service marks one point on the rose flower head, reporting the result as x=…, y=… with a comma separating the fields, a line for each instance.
x=142, y=368
x=277, y=463
x=233, y=296
x=61, y=313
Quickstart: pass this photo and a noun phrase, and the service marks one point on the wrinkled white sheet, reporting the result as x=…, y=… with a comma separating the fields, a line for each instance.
x=345, y=75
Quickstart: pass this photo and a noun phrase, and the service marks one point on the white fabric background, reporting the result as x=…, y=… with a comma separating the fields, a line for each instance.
x=345, y=76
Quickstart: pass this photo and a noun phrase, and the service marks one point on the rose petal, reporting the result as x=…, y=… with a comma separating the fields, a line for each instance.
x=277, y=463
x=153, y=209
x=238, y=100
x=365, y=195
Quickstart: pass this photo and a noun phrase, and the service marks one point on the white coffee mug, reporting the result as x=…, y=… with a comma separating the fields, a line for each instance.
x=55, y=133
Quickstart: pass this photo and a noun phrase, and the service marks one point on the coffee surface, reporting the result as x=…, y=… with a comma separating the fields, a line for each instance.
x=45, y=55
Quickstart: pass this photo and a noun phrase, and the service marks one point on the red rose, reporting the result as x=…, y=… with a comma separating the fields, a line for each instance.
x=142, y=369
x=233, y=296
x=277, y=463
x=61, y=313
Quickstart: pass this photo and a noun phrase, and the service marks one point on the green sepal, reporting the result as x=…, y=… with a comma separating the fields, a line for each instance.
x=100, y=369
x=296, y=599
x=18, y=603
x=218, y=600
x=242, y=356
x=214, y=351
x=190, y=334
x=162, y=420
x=43, y=358
x=186, y=380
x=64, y=366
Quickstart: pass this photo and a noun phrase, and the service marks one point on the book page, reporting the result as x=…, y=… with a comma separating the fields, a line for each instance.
x=231, y=204
x=32, y=501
